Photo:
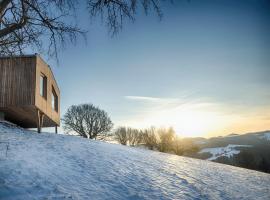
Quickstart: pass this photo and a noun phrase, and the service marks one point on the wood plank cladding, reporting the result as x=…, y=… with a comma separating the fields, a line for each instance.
x=45, y=104
x=17, y=81
x=20, y=98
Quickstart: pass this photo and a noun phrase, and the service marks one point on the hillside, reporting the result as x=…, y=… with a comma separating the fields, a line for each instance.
x=249, y=150
x=49, y=166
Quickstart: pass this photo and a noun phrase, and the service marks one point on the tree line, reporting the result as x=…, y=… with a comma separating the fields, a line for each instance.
x=160, y=139
x=92, y=122
x=254, y=158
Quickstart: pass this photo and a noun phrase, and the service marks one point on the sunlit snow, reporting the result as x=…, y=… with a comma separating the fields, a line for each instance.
x=49, y=166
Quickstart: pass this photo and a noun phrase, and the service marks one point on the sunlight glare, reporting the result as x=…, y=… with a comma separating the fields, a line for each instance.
x=190, y=120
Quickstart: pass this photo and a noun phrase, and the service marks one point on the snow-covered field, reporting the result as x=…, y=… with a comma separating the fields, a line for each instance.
x=265, y=136
x=49, y=166
x=227, y=151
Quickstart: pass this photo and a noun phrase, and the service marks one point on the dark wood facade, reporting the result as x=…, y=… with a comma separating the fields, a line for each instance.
x=21, y=99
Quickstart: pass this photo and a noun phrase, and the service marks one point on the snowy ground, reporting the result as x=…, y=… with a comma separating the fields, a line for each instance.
x=48, y=166
x=227, y=151
x=265, y=136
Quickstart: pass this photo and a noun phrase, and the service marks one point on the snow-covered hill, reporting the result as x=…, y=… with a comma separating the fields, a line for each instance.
x=228, y=151
x=49, y=166
x=265, y=136
x=233, y=148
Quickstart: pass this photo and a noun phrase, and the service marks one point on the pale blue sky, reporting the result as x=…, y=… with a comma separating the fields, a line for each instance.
x=214, y=53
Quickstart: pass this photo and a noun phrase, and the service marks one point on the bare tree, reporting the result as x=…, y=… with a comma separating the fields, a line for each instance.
x=134, y=136
x=121, y=135
x=166, y=139
x=178, y=147
x=127, y=135
x=50, y=24
x=87, y=120
x=31, y=23
x=150, y=138
x=116, y=11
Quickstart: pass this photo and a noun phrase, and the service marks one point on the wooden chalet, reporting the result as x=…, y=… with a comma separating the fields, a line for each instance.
x=29, y=95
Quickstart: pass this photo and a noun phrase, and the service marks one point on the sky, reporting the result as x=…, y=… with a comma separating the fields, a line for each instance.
x=204, y=69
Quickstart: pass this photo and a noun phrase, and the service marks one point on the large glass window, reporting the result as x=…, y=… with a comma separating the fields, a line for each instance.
x=54, y=100
x=43, y=86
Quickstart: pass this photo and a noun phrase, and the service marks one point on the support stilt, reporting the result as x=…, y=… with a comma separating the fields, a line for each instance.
x=2, y=116
x=56, y=129
x=40, y=117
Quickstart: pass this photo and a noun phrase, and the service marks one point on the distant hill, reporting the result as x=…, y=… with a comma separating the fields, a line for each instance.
x=250, y=150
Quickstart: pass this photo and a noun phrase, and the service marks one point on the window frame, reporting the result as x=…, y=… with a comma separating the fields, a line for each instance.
x=54, y=100
x=43, y=86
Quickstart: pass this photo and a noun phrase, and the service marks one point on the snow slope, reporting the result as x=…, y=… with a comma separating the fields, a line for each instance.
x=227, y=151
x=49, y=166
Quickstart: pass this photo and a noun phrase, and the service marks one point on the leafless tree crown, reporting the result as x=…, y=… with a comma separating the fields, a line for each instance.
x=32, y=23
x=116, y=11
x=127, y=135
x=87, y=120
x=50, y=24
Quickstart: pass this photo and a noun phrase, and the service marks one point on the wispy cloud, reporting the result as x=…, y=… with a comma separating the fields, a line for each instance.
x=150, y=99
x=148, y=104
x=157, y=103
x=142, y=98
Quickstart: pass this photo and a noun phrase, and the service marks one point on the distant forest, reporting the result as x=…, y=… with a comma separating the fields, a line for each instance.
x=257, y=158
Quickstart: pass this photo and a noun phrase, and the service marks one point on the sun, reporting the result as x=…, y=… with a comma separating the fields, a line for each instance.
x=191, y=120
x=190, y=123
